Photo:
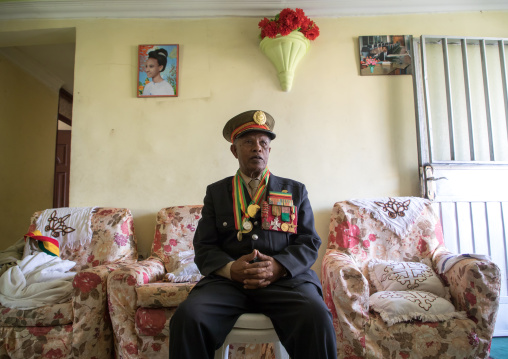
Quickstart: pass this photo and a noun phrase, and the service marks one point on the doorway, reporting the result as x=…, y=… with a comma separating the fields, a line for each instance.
x=63, y=151
x=44, y=59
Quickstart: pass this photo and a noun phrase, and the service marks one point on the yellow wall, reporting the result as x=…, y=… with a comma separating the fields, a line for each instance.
x=27, y=147
x=341, y=134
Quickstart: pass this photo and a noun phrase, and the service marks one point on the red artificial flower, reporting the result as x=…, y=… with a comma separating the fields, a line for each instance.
x=285, y=30
x=263, y=23
x=287, y=21
x=270, y=30
x=312, y=31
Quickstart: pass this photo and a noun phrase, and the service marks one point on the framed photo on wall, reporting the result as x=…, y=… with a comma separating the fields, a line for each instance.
x=158, y=70
x=385, y=55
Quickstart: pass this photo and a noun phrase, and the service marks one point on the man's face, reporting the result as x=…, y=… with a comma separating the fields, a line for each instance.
x=252, y=151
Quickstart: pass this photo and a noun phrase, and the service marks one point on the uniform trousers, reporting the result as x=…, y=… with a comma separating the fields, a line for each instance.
x=299, y=315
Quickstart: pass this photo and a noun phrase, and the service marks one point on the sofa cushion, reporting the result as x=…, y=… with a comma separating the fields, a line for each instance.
x=50, y=315
x=401, y=306
x=162, y=295
x=393, y=276
x=174, y=234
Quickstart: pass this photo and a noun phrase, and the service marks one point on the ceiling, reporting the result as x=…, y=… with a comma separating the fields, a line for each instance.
x=49, y=54
x=57, y=9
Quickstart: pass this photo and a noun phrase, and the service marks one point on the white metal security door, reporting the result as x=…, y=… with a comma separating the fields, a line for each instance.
x=461, y=104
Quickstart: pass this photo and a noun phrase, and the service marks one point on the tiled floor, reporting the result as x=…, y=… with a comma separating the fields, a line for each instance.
x=499, y=348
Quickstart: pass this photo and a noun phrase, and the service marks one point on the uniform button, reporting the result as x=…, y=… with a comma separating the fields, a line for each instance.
x=225, y=224
x=256, y=223
x=255, y=237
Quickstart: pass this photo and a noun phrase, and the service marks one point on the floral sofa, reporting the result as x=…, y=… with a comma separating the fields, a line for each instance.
x=79, y=328
x=141, y=303
x=355, y=238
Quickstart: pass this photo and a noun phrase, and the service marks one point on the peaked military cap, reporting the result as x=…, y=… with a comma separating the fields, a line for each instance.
x=248, y=121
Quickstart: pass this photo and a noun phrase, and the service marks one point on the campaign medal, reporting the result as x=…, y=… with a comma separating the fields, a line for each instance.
x=276, y=210
x=247, y=226
x=252, y=210
x=285, y=214
x=279, y=213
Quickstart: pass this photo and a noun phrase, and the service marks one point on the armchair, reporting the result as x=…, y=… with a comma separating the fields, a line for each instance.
x=141, y=304
x=356, y=236
x=79, y=328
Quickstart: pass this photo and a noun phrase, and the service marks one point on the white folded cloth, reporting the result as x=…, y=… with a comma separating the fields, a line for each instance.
x=447, y=261
x=37, y=280
x=396, y=213
x=70, y=226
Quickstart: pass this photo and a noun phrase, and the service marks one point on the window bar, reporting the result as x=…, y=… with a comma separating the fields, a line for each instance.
x=488, y=235
x=457, y=230
x=469, y=109
x=427, y=98
x=444, y=43
x=472, y=226
x=504, y=236
x=487, y=98
x=502, y=59
x=419, y=97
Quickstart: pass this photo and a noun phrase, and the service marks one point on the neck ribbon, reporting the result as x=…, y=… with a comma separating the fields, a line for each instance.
x=239, y=200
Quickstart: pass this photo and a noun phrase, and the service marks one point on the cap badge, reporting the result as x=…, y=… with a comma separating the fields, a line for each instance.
x=259, y=117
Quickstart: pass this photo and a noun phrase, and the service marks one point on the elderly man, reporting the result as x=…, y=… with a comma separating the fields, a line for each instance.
x=255, y=245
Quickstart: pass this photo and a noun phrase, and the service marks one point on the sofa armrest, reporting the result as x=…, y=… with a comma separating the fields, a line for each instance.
x=123, y=301
x=346, y=293
x=474, y=288
x=92, y=335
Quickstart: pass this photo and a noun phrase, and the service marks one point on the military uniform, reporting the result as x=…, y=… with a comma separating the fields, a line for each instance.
x=294, y=302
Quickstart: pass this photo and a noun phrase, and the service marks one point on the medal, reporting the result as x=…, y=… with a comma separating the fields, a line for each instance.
x=247, y=226
x=241, y=209
x=276, y=211
x=284, y=227
x=239, y=236
x=252, y=210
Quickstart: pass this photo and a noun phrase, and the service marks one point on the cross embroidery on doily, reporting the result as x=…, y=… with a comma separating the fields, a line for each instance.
x=57, y=225
x=395, y=208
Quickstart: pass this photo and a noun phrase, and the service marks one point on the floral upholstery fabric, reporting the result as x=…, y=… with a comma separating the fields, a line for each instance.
x=141, y=304
x=81, y=327
x=355, y=237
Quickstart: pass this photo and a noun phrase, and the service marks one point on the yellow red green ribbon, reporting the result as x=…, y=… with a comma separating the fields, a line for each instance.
x=239, y=200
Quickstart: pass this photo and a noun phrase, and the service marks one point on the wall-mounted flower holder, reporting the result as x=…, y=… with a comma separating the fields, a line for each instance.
x=285, y=52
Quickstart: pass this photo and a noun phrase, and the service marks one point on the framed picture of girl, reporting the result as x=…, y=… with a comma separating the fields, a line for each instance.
x=157, y=71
